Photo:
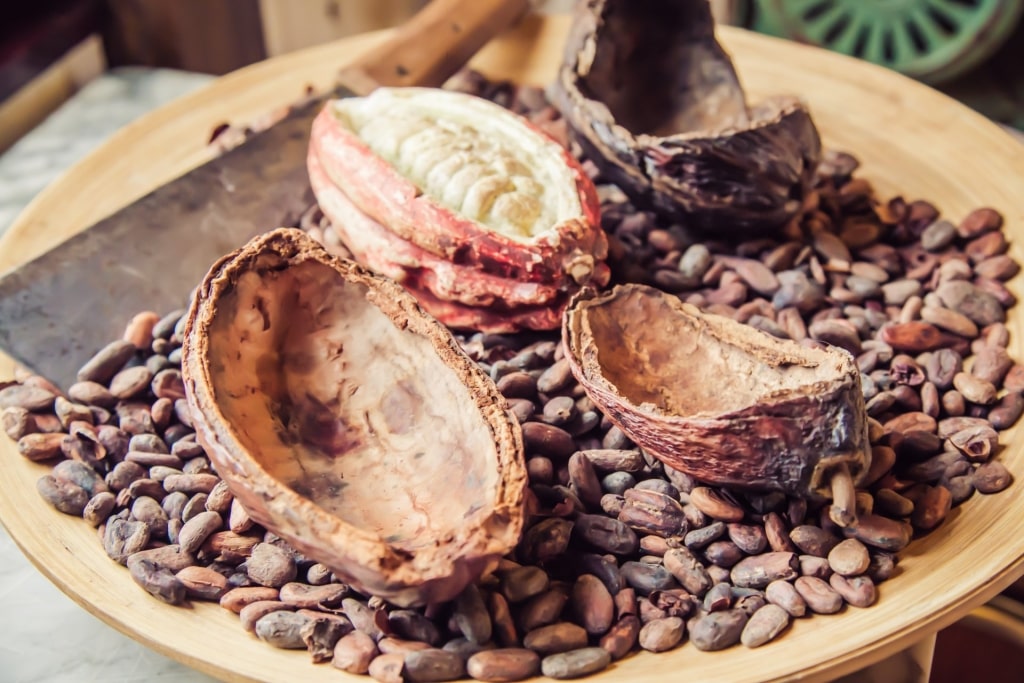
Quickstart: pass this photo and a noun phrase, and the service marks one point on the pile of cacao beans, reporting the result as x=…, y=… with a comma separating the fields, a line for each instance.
x=620, y=553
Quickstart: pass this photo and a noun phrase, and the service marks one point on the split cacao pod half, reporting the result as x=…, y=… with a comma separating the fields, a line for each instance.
x=349, y=421
x=460, y=198
x=717, y=399
x=459, y=296
x=654, y=101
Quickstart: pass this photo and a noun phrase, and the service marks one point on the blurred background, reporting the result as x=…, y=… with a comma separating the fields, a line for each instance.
x=971, y=49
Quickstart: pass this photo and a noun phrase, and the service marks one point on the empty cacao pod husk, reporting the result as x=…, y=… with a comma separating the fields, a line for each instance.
x=655, y=102
x=719, y=400
x=465, y=180
x=349, y=422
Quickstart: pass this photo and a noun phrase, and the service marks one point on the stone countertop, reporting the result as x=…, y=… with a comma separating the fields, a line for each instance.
x=44, y=636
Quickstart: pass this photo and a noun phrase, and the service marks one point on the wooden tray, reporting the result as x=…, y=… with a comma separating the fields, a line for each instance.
x=911, y=139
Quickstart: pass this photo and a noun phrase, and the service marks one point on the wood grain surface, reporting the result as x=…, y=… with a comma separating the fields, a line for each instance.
x=912, y=141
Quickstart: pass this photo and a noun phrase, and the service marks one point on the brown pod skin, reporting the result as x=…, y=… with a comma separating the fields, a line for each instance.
x=716, y=399
x=566, y=251
x=654, y=100
x=319, y=389
x=374, y=246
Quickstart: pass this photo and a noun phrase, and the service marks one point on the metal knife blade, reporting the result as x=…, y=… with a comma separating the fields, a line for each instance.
x=59, y=309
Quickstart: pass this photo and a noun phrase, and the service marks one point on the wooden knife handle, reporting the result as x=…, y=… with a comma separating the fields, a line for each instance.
x=432, y=45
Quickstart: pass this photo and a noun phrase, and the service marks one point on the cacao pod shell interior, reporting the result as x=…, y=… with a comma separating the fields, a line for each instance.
x=655, y=102
x=464, y=179
x=717, y=399
x=349, y=422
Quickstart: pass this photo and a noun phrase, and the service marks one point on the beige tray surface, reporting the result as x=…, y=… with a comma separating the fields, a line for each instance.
x=911, y=139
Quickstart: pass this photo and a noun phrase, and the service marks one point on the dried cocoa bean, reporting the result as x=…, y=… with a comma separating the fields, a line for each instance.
x=881, y=532
x=892, y=504
x=548, y=440
x=711, y=503
x=158, y=582
x=434, y=665
x=99, y=507
x=645, y=578
x=783, y=594
x=811, y=565
x=605, y=568
x=191, y=483
x=196, y=505
x=723, y=554
x=523, y=583
x=1007, y=411
x=501, y=665
x=282, y=629
x=660, y=635
x=776, y=532
x=304, y=596
x=991, y=477
x=238, y=598
x=17, y=422
x=555, y=378
x=471, y=615
x=547, y=539
x=849, y=558
x=353, y=653
x=622, y=636
x=503, y=626
x=615, y=459
x=758, y=571
x=688, y=570
x=704, y=536
x=40, y=447
x=583, y=479
x=592, y=604
x=65, y=496
x=749, y=538
x=764, y=625
x=202, y=583
x=652, y=512
x=717, y=630
x=606, y=534
x=575, y=663
x=542, y=610
x=818, y=595
x=931, y=508
x=554, y=638
x=976, y=442
x=858, y=591
x=388, y=668
x=271, y=566
x=320, y=637
x=974, y=389
x=718, y=598
x=28, y=397
x=558, y=411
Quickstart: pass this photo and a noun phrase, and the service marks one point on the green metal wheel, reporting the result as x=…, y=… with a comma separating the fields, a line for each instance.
x=931, y=40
